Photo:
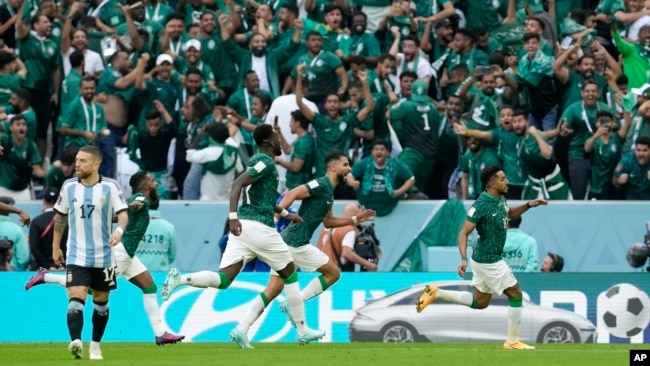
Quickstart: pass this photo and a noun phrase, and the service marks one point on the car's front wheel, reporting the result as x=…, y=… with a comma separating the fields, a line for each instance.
x=398, y=333
x=558, y=332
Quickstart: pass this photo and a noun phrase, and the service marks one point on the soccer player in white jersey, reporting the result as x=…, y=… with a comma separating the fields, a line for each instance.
x=87, y=203
x=253, y=234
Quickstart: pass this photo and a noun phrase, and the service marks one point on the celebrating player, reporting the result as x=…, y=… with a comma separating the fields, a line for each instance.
x=88, y=203
x=317, y=198
x=255, y=235
x=489, y=215
x=128, y=265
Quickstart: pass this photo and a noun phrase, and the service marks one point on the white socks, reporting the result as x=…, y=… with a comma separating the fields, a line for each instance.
x=313, y=289
x=201, y=279
x=456, y=297
x=255, y=309
x=514, y=320
x=296, y=306
x=153, y=313
x=54, y=278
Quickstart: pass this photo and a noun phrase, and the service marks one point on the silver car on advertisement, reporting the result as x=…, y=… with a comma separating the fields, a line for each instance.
x=393, y=319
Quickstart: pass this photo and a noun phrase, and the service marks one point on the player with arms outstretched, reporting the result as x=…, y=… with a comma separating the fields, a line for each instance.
x=489, y=215
x=317, y=197
x=253, y=233
x=128, y=265
x=88, y=203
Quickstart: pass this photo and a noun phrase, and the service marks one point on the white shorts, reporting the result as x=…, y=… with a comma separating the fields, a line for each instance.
x=307, y=257
x=127, y=267
x=492, y=278
x=256, y=241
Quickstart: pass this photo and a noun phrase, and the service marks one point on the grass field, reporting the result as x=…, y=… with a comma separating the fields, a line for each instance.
x=269, y=354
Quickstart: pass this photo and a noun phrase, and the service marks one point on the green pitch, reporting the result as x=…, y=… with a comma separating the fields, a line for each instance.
x=357, y=354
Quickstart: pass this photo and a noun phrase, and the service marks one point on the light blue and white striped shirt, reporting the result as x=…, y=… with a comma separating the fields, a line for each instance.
x=90, y=213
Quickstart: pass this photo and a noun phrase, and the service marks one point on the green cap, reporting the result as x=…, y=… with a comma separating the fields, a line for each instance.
x=419, y=91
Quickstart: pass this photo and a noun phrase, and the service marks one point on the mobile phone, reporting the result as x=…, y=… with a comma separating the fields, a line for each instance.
x=275, y=121
x=484, y=70
x=566, y=42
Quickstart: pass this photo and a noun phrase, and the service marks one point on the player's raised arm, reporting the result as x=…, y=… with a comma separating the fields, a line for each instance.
x=331, y=221
x=519, y=210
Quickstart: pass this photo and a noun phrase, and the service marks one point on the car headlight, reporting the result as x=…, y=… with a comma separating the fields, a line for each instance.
x=588, y=323
x=359, y=316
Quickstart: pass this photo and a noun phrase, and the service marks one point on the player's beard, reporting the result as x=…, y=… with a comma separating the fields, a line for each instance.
x=153, y=195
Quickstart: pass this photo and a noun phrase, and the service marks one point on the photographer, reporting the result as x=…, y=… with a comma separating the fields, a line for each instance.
x=339, y=243
x=6, y=252
x=638, y=254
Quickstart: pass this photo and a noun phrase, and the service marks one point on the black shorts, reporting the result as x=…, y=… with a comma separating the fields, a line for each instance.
x=98, y=279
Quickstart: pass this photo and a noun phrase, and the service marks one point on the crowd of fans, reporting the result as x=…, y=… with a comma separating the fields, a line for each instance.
x=422, y=93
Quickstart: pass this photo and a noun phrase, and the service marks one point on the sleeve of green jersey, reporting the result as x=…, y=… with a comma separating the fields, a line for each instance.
x=36, y=155
x=474, y=214
x=464, y=163
x=625, y=47
x=624, y=166
x=403, y=172
x=315, y=188
x=260, y=169
x=333, y=61
x=568, y=116
x=302, y=148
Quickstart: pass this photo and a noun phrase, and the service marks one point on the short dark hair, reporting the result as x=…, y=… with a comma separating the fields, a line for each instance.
x=519, y=112
x=175, y=16
x=408, y=73
x=334, y=155
x=601, y=114
x=357, y=84
x=514, y=222
x=190, y=26
x=622, y=80
x=17, y=117
x=6, y=58
x=508, y=106
x=313, y=34
x=385, y=56
x=114, y=56
x=467, y=33
x=413, y=38
x=201, y=107
x=193, y=71
x=76, y=58
x=68, y=155
x=643, y=140
x=585, y=56
x=539, y=21
x=93, y=150
x=529, y=36
x=262, y=134
x=218, y=132
x=300, y=118
x=89, y=78
x=23, y=94
x=137, y=180
x=383, y=143
x=330, y=8
x=153, y=113
x=357, y=60
x=264, y=98
x=488, y=173
x=35, y=19
x=590, y=82
x=249, y=72
x=207, y=13
x=292, y=9
x=360, y=14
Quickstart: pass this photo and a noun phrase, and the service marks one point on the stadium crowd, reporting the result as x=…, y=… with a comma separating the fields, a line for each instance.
x=423, y=94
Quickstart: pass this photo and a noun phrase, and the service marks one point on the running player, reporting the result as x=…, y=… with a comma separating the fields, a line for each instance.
x=128, y=265
x=489, y=215
x=88, y=203
x=317, y=198
x=255, y=235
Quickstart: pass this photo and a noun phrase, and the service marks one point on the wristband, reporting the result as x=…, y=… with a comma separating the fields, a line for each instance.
x=232, y=216
x=469, y=133
x=528, y=205
x=284, y=213
x=354, y=220
x=463, y=258
x=119, y=230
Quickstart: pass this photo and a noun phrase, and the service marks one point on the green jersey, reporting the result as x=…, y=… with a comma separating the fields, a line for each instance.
x=450, y=147
x=604, y=157
x=151, y=27
x=635, y=61
x=107, y=85
x=40, y=57
x=365, y=45
x=472, y=164
x=638, y=181
x=485, y=111
x=138, y=222
x=484, y=14
x=379, y=183
x=17, y=162
x=165, y=92
x=312, y=210
x=258, y=199
x=332, y=134
x=509, y=161
x=109, y=13
x=321, y=73
x=69, y=92
x=241, y=102
x=9, y=83
x=473, y=58
x=158, y=13
x=30, y=120
x=304, y=148
x=83, y=117
x=427, y=8
x=55, y=177
x=582, y=120
x=532, y=161
x=573, y=88
x=418, y=122
x=490, y=215
x=610, y=7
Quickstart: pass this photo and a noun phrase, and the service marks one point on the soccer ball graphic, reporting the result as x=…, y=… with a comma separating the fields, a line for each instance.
x=627, y=310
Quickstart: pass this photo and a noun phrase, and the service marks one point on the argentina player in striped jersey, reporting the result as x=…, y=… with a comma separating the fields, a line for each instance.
x=87, y=203
x=128, y=265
